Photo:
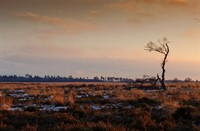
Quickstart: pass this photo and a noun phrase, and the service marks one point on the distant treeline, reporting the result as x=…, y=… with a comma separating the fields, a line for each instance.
x=47, y=78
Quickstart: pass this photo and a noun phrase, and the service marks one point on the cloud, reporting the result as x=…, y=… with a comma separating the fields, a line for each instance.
x=69, y=26
x=135, y=10
x=167, y=2
x=46, y=35
x=90, y=1
x=197, y=19
x=137, y=18
x=126, y=5
x=145, y=14
x=49, y=50
x=177, y=2
x=191, y=32
x=94, y=13
x=138, y=10
x=42, y=19
x=132, y=5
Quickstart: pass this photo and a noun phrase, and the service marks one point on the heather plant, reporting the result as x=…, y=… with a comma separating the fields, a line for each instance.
x=5, y=102
x=99, y=107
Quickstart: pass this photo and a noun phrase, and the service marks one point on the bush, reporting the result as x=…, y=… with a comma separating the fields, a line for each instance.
x=31, y=109
x=188, y=113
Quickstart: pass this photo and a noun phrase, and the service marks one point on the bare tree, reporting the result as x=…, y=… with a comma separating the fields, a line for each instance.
x=163, y=48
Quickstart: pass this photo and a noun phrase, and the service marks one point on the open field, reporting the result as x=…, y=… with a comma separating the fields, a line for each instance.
x=99, y=106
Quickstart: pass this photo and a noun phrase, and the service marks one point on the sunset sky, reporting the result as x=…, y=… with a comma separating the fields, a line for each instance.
x=98, y=37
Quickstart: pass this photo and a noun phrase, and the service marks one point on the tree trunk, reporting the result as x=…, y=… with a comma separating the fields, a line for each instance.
x=163, y=73
x=162, y=80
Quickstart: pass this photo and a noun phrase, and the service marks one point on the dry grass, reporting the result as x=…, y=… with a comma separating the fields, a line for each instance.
x=59, y=99
x=6, y=102
x=118, y=106
x=71, y=96
x=176, y=95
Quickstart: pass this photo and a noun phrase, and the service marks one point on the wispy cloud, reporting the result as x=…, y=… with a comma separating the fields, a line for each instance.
x=138, y=10
x=132, y=5
x=134, y=20
x=50, y=50
x=69, y=26
x=145, y=14
x=197, y=19
x=42, y=19
x=126, y=5
x=168, y=2
x=191, y=32
x=94, y=14
x=177, y=2
x=137, y=18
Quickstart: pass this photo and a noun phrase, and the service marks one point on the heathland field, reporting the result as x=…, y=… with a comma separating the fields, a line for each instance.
x=99, y=106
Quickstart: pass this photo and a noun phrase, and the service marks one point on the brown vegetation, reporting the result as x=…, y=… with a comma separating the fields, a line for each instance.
x=99, y=106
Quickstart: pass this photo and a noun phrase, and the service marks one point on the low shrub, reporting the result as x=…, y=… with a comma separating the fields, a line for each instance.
x=188, y=113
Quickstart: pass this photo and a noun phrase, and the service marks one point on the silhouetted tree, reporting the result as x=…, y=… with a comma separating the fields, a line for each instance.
x=175, y=80
x=188, y=79
x=163, y=48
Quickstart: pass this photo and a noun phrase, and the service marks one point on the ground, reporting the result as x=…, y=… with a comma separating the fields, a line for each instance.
x=99, y=106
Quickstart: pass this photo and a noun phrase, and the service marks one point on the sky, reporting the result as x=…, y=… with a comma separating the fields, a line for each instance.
x=87, y=38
